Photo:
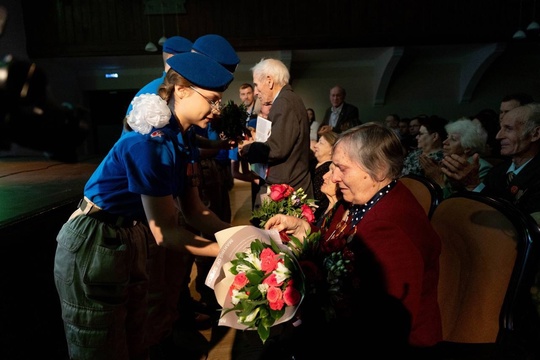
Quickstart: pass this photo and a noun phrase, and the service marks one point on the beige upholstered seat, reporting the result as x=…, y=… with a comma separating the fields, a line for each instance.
x=427, y=192
x=486, y=268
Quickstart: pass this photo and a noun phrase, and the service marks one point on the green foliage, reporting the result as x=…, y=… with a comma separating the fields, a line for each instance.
x=232, y=121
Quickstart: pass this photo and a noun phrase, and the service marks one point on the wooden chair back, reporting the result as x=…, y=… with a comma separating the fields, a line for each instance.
x=427, y=192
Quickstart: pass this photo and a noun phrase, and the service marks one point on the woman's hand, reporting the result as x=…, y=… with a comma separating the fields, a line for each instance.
x=460, y=170
x=432, y=169
x=290, y=224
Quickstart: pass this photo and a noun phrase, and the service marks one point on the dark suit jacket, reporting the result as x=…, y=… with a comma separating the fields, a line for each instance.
x=523, y=191
x=348, y=118
x=287, y=149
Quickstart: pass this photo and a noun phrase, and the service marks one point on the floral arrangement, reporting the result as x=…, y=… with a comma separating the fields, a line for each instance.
x=149, y=110
x=256, y=279
x=267, y=280
x=284, y=199
x=231, y=123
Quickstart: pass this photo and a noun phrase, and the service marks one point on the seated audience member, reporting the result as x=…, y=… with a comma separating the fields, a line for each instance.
x=408, y=140
x=323, y=155
x=388, y=290
x=333, y=194
x=414, y=129
x=430, y=139
x=392, y=122
x=465, y=138
x=490, y=122
x=510, y=101
x=515, y=179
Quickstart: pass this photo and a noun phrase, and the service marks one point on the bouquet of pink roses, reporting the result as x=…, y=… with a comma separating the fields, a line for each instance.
x=256, y=279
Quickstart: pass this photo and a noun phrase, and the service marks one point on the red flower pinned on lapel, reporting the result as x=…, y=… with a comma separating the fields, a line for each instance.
x=514, y=189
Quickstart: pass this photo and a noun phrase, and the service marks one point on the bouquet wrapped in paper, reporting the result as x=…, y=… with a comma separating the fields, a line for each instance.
x=256, y=278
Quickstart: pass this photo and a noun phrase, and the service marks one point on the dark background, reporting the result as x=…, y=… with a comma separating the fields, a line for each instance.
x=56, y=28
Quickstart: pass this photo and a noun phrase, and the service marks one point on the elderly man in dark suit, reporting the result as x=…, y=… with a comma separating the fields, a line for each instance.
x=286, y=152
x=340, y=116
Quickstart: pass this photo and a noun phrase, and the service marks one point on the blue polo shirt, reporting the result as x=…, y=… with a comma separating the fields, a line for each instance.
x=155, y=164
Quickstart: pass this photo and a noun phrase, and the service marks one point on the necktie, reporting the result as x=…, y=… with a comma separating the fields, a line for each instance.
x=509, y=177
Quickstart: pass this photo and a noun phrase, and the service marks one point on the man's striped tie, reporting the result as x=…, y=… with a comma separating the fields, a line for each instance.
x=509, y=177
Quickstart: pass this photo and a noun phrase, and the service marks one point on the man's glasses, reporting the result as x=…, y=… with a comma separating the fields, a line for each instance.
x=214, y=105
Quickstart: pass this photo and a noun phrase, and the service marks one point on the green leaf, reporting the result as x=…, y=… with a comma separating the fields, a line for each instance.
x=255, y=277
x=264, y=332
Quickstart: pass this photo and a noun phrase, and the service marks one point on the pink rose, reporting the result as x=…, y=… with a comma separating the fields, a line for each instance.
x=271, y=280
x=291, y=296
x=240, y=280
x=269, y=260
x=274, y=295
x=307, y=213
x=280, y=191
x=276, y=305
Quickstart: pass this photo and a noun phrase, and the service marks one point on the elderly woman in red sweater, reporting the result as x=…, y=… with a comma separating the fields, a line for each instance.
x=378, y=258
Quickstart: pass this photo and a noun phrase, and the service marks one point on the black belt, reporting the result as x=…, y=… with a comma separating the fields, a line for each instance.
x=94, y=211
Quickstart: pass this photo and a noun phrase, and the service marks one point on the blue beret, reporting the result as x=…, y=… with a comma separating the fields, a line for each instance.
x=177, y=45
x=217, y=48
x=201, y=71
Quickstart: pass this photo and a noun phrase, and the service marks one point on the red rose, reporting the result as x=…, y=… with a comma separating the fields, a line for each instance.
x=291, y=296
x=269, y=260
x=307, y=213
x=279, y=192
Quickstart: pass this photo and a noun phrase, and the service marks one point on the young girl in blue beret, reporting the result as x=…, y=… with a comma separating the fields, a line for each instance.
x=118, y=265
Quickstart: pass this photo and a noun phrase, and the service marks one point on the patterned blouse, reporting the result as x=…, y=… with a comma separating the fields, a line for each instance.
x=411, y=165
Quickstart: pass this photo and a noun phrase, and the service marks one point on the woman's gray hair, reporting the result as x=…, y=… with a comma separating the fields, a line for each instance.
x=274, y=68
x=472, y=134
x=375, y=148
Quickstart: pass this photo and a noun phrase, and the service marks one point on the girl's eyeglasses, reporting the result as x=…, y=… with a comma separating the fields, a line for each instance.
x=214, y=105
